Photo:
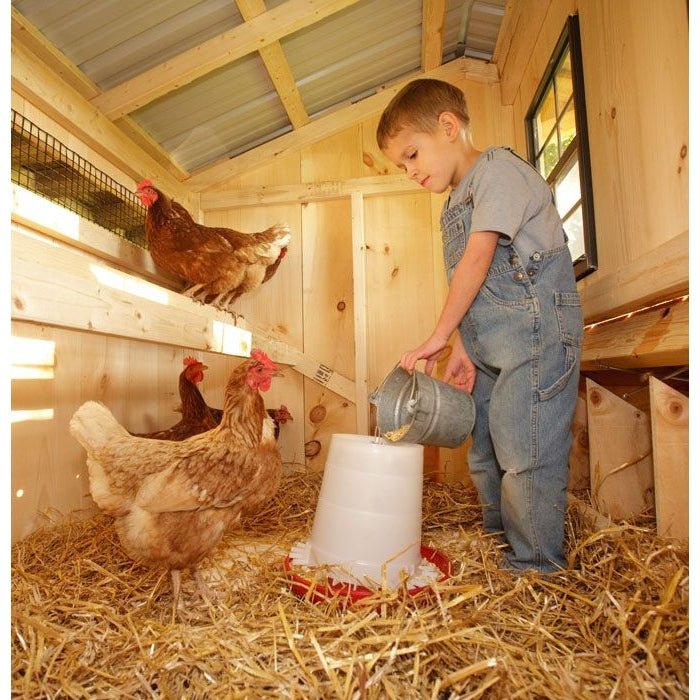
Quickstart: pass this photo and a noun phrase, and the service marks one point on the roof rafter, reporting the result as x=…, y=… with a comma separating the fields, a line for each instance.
x=258, y=32
x=433, y=29
x=277, y=66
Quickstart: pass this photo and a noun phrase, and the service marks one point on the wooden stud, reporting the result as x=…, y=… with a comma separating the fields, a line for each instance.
x=359, y=262
x=669, y=432
x=622, y=479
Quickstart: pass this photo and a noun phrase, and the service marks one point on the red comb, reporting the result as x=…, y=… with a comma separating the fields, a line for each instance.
x=190, y=361
x=144, y=183
x=262, y=358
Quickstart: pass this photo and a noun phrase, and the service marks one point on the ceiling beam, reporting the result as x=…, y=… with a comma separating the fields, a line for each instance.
x=260, y=31
x=432, y=39
x=333, y=122
x=277, y=66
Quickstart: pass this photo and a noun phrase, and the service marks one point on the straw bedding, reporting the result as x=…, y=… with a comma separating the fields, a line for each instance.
x=89, y=623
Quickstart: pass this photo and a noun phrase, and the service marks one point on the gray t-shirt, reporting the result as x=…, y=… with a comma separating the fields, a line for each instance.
x=512, y=198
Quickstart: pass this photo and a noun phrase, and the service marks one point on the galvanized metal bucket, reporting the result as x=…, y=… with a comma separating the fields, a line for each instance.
x=417, y=408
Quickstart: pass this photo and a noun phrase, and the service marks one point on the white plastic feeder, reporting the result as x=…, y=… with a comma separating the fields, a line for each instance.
x=367, y=526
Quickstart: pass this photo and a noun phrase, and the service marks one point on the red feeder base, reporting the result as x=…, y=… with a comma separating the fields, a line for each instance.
x=348, y=593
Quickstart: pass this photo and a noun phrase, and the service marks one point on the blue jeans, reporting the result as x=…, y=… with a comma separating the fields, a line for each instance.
x=523, y=332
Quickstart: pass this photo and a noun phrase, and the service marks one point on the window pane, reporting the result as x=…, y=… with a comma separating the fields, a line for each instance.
x=545, y=118
x=567, y=127
x=574, y=231
x=564, y=82
x=567, y=189
x=550, y=156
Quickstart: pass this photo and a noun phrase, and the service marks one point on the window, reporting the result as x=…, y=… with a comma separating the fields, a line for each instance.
x=558, y=145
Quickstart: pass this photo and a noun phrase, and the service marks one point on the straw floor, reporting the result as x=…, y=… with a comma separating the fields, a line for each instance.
x=89, y=623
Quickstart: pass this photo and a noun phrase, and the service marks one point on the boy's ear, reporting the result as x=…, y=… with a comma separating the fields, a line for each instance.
x=449, y=124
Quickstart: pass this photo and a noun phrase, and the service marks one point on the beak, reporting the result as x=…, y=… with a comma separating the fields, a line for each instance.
x=278, y=373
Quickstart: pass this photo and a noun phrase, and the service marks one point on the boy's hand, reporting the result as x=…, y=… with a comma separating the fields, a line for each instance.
x=460, y=370
x=429, y=351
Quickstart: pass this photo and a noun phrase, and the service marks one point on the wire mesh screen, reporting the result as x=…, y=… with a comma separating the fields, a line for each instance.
x=42, y=164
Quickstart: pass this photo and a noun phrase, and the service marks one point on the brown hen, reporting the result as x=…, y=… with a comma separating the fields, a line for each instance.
x=218, y=264
x=196, y=416
x=172, y=501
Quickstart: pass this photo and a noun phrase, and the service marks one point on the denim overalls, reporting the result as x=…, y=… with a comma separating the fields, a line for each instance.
x=523, y=332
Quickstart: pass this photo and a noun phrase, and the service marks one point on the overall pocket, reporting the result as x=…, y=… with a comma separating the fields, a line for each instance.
x=567, y=307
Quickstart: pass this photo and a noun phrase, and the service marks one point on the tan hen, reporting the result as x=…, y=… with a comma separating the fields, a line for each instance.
x=172, y=501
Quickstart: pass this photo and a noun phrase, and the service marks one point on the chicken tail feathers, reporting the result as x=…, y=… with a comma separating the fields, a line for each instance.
x=93, y=425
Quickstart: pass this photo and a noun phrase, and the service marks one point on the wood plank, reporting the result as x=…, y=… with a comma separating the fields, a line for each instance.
x=36, y=82
x=670, y=434
x=359, y=277
x=619, y=435
x=239, y=41
x=658, y=337
x=212, y=200
x=657, y=274
x=339, y=119
x=278, y=68
x=432, y=35
x=83, y=293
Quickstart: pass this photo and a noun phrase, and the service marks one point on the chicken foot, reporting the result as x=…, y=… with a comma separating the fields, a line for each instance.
x=195, y=291
x=205, y=592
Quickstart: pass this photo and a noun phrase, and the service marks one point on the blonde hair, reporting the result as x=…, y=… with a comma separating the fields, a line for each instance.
x=418, y=106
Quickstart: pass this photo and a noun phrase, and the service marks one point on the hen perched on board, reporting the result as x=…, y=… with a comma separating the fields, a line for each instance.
x=196, y=416
x=218, y=264
x=172, y=501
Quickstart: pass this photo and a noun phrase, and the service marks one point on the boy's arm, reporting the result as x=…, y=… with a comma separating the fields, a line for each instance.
x=468, y=276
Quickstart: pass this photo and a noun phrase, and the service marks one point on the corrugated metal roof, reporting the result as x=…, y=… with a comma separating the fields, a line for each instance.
x=235, y=107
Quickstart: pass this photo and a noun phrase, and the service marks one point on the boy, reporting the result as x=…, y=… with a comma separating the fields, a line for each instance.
x=512, y=295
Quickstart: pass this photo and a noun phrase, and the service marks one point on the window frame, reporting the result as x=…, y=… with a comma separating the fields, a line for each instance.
x=570, y=38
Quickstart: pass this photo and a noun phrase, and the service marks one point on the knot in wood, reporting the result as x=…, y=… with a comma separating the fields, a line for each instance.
x=317, y=413
x=312, y=448
x=596, y=397
x=340, y=306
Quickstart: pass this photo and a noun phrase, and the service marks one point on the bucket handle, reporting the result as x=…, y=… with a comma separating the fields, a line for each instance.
x=411, y=401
